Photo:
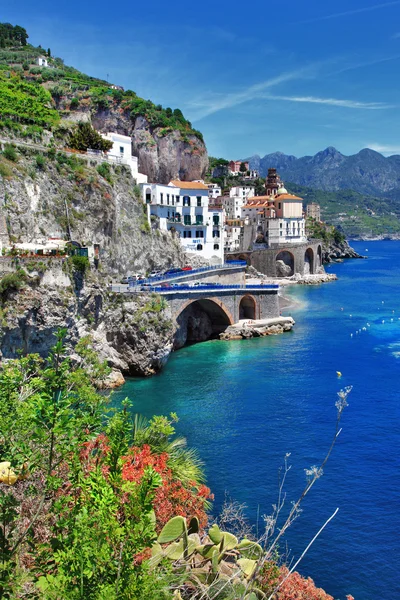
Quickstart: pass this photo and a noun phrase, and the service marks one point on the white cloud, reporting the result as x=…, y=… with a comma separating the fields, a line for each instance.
x=331, y=102
x=384, y=148
x=220, y=102
x=348, y=13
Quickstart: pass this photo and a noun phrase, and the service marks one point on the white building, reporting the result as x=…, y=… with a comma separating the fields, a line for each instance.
x=242, y=191
x=233, y=206
x=121, y=153
x=42, y=61
x=183, y=207
x=214, y=190
x=253, y=174
x=276, y=220
x=233, y=230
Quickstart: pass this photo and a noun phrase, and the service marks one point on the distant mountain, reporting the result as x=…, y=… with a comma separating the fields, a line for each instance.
x=366, y=172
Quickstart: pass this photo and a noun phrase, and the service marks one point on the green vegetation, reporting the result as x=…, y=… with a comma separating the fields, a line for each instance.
x=80, y=264
x=10, y=153
x=12, y=36
x=84, y=137
x=357, y=215
x=24, y=100
x=11, y=282
x=105, y=171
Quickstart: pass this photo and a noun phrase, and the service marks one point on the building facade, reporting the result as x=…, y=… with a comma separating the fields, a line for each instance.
x=274, y=220
x=233, y=235
x=184, y=208
x=214, y=190
x=121, y=153
x=313, y=210
x=234, y=166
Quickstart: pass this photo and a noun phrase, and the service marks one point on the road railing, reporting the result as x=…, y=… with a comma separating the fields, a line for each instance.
x=239, y=264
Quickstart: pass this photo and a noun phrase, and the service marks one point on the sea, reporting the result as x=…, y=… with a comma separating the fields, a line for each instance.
x=245, y=404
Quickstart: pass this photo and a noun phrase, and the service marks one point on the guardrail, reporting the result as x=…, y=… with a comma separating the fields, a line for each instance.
x=227, y=265
x=192, y=288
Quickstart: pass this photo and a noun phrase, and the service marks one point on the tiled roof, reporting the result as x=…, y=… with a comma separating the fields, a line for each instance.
x=188, y=185
x=287, y=197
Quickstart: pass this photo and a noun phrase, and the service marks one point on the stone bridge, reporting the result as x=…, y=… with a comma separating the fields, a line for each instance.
x=202, y=314
x=284, y=261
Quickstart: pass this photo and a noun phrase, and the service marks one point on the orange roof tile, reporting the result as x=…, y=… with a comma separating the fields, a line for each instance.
x=287, y=197
x=188, y=185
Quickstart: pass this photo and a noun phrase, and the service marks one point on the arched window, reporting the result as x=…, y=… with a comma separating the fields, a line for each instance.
x=199, y=246
x=216, y=246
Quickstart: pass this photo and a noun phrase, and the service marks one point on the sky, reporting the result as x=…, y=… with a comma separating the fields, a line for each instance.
x=292, y=76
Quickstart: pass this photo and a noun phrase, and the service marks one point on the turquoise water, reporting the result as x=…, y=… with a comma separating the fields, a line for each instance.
x=244, y=404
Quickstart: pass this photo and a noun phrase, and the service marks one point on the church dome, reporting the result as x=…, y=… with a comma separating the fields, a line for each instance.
x=281, y=190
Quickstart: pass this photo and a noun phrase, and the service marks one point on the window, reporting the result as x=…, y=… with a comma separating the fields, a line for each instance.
x=216, y=219
x=177, y=199
x=161, y=198
x=186, y=219
x=216, y=246
x=199, y=246
x=187, y=234
x=199, y=233
x=168, y=199
x=186, y=201
x=168, y=214
x=216, y=233
x=280, y=205
x=199, y=219
x=198, y=200
x=121, y=149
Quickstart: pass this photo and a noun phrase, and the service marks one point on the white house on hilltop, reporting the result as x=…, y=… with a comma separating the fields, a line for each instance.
x=42, y=61
x=121, y=153
x=183, y=207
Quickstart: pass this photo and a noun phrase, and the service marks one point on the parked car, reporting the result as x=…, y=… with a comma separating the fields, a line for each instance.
x=145, y=287
x=165, y=285
x=172, y=271
x=187, y=268
x=155, y=273
x=125, y=280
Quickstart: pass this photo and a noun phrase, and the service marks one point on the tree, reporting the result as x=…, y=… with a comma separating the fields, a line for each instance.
x=243, y=167
x=48, y=52
x=85, y=136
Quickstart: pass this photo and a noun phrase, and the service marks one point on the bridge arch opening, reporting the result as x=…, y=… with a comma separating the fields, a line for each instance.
x=309, y=262
x=201, y=320
x=247, y=308
x=284, y=264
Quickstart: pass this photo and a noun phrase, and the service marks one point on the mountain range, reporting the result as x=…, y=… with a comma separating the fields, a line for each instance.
x=367, y=172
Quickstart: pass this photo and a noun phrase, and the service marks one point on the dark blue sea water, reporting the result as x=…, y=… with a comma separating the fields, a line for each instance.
x=244, y=404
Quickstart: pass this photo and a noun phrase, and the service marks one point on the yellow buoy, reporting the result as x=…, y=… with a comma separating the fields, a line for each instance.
x=338, y=373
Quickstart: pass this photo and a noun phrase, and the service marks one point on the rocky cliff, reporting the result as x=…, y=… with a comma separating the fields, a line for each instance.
x=68, y=196
x=134, y=336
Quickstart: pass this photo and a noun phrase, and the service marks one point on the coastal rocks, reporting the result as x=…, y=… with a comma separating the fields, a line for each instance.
x=282, y=269
x=246, y=329
x=314, y=279
x=336, y=251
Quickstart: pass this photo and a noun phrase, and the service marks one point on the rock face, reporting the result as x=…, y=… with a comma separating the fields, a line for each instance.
x=135, y=337
x=336, y=251
x=194, y=325
x=65, y=198
x=162, y=155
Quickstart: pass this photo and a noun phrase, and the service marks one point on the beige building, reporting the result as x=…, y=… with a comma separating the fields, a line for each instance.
x=313, y=210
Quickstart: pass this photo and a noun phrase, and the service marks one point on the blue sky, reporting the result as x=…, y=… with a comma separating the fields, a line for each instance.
x=293, y=76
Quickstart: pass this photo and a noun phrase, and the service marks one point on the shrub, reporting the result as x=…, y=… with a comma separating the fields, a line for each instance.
x=40, y=161
x=85, y=136
x=10, y=153
x=11, y=282
x=80, y=264
x=74, y=104
x=5, y=171
x=105, y=171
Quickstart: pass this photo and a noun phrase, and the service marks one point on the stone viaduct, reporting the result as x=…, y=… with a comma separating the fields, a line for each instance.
x=203, y=314
x=284, y=261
